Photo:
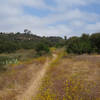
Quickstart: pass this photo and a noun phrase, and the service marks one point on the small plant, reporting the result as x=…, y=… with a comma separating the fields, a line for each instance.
x=77, y=89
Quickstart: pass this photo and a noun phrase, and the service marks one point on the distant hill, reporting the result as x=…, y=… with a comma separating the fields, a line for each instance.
x=19, y=40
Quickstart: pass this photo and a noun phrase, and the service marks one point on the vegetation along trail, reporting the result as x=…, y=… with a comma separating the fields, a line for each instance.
x=32, y=90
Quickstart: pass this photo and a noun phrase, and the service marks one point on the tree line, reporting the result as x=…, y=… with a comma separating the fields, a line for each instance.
x=10, y=42
x=84, y=44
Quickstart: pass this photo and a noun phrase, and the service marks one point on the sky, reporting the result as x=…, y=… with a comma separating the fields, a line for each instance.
x=50, y=17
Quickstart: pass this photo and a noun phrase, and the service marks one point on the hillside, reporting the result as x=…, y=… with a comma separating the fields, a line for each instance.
x=15, y=41
x=49, y=68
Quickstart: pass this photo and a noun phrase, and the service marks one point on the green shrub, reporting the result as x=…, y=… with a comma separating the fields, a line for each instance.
x=42, y=48
x=95, y=41
x=84, y=44
x=79, y=46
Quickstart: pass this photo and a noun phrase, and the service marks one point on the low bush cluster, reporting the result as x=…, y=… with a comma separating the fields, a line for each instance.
x=84, y=44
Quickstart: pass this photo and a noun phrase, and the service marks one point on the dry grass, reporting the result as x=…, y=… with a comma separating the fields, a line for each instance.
x=67, y=78
x=17, y=78
x=72, y=78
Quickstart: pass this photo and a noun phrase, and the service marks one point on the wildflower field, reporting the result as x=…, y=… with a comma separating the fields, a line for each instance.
x=71, y=78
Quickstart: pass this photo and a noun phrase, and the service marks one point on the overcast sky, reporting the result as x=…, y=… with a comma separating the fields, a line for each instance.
x=50, y=17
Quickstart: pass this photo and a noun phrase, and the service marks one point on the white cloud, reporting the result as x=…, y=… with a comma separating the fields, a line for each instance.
x=93, y=27
x=66, y=17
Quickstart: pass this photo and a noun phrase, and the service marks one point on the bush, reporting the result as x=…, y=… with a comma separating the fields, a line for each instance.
x=8, y=47
x=79, y=45
x=95, y=41
x=41, y=49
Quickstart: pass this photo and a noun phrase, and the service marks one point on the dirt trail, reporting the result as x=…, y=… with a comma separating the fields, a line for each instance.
x=36, y=83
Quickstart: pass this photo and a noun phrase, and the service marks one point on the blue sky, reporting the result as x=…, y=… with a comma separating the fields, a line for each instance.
x=50, y=17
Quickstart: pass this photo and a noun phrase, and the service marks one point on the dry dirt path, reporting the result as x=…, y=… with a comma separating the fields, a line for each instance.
x=36, y=83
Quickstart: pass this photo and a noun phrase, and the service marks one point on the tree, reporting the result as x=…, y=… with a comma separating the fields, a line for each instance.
x=95, y=41
x=65, y=38
x=79, y=45
x=27, y=31
x=85, y=37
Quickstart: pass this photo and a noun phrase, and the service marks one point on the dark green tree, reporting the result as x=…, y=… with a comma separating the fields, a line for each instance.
x=95, y=41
